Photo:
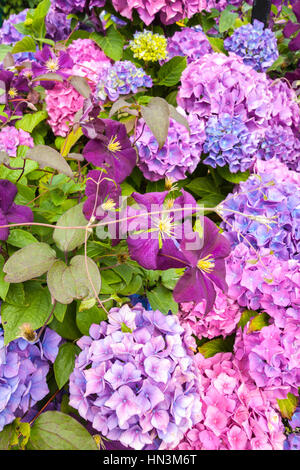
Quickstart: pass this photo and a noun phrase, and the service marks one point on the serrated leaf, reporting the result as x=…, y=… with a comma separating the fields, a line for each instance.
x=161, y=299
x=111, y=44
x=170, y=73
x=227, y=20
x=157, y=117
x=68, y=239
x=35, y=312
x=233, y=177
x=288, y=406
x=54, y=430
x=26, y=44
x=30, y=121
x=81, y=85
x=31, y=261
x=64, y=363
x=48, y=157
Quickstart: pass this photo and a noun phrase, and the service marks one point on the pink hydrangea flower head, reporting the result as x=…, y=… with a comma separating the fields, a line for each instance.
x=11, y=138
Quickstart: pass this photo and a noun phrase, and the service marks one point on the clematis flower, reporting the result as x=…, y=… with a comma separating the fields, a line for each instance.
x=9, y=211
x=103, y=195
x=205, y=266
x=112, y=150
x=48, y=62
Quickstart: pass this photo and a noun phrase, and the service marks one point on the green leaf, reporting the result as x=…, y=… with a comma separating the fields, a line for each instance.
x=85, y=318
x=20, y=238
x=277, y=64
x=67, y=283
x=16, y=294
x=161, y=299
x=26, y=44
x=217, y=44
x=50, y=76
x=227, y=20
x=64, y=363
x=111, y=44
x=49, y=157
x=67, y=328
x=81, y=85
x=31, y=261
x=54, y=430
x=233, y=177
x=4, y=50
x=245, y=317
x=170, y=73
x=288, y=406
x=60, y=311
x=202, y=186
x=210, y=348
x=4, y=286
x=15, y=435
x=69, y=239
x=169, y=278
x=157, y=117
x=258, y=322
x=35, y=312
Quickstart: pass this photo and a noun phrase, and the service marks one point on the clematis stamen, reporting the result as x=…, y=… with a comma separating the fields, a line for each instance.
x=108, y=205
x=52, y=65
x=206, y=264
x=12, y=92
x=114, y=145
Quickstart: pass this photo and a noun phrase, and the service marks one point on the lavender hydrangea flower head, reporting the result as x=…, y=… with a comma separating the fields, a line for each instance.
x=236, y=414
x=121, y=78
x=256, y=45
x=23, y=370
x=134, y=379
x=9, y=211
x=265, y=210
x=189, y=43
x=282, y=143
x=76, y=6
x=180, y=154
x=229, y=141
x=58, y=27
x=8, y=33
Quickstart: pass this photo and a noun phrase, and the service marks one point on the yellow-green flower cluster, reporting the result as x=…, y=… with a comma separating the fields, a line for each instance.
x=149, y=46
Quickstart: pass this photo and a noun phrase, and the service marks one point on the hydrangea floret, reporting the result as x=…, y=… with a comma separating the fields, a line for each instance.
x=148, y=46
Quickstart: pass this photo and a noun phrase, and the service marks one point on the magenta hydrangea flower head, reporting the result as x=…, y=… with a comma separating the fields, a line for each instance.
x=265, y=210
x=103, y=195
x=189, y=43
x=220, y=321
x=10, y=212
x=11, y=138
x=112, y=151
x=204, y=260
x=236, y=414
x=271, y=357
x=134, y=379
x=149, y=233
x=180, y=154
x=261, y=281
x=23, y=370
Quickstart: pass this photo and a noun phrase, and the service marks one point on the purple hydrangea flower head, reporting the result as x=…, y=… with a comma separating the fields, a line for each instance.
x=265, y=210
x=204, y=259
x=141, y=388
x=76, y=6
x=23, y=371
x=271, y=357
x=58, y=27
x=9, y=211
x=8, y=33
x=112, y=150
x=283, y=143
x=236, y=415
x=121, y=78
x=180, y=154
x=255, y=44
x=292, y=442
x=264, y=283
x=189, y=43
x=103, y=195
x=229, y=141
x=11, y=138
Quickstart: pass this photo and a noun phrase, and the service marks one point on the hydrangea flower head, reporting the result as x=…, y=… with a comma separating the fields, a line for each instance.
x=189, y=43
x=282, y=143
x=265, y=210
x=58, y=27
x=180, y=154
x=148, y=46
x=122, y=78
x=11, y=138
x=76, y=6
x=229, y=141
x=8, y=33
x=23, y=371
x=255, y=44
x=236, y=415
x=136, y=385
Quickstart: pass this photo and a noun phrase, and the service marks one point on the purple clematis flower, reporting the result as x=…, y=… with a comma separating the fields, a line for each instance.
x=112, y=150
x=153, y=227
x=291, y=28
x=13, y=95
x=9, y=211
x=48, y=62
x=103, y=195
x=205, y=266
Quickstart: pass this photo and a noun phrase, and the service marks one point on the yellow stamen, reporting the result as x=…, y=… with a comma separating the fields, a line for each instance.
x=206, y=264
x=108, y=205
x=114, y=145
x=12, y=92
x=52, y=65
x=165, y=226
